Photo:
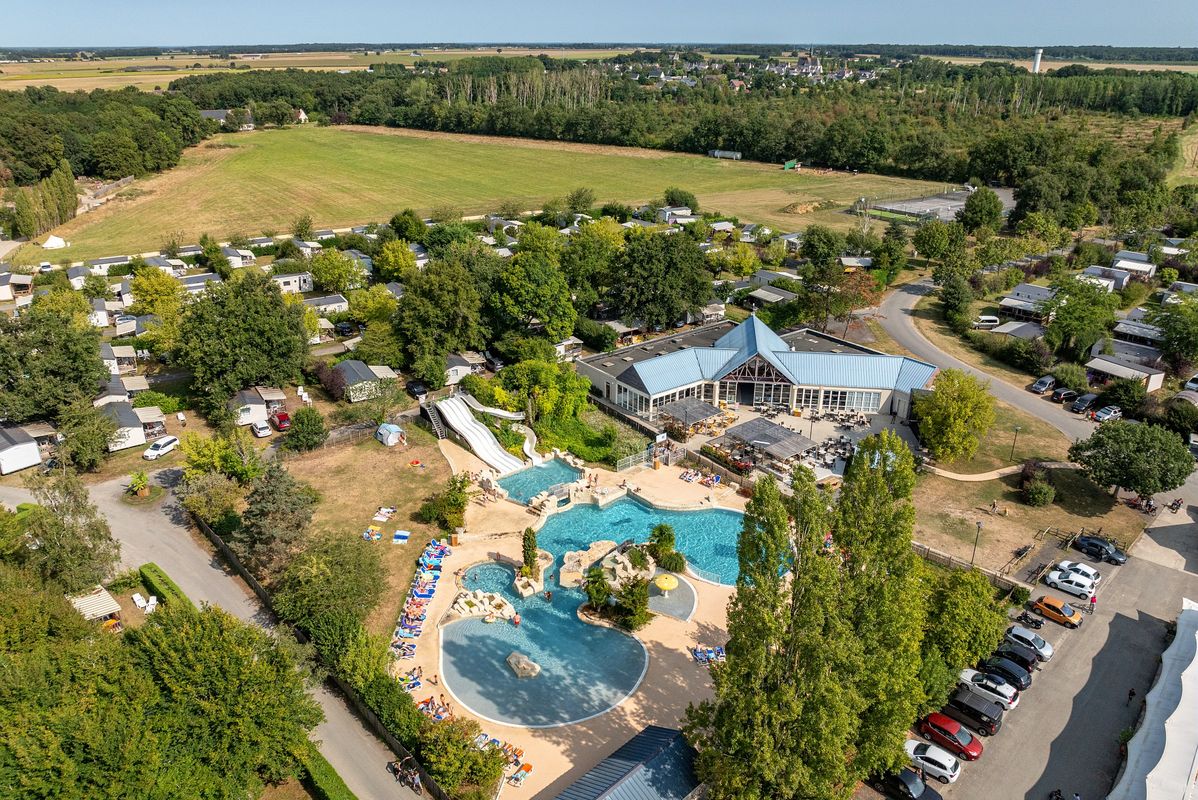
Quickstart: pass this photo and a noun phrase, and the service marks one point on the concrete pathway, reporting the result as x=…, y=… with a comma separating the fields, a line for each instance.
x=160, y=534
x=994, y=473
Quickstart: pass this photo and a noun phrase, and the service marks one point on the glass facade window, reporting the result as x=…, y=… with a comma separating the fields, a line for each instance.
x=842, y=400
x=808, y=398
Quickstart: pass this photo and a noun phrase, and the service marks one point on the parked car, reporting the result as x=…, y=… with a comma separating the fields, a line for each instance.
x=904, y=785
x=990, y=686
x=951, y=735
x=1083, y=403
x=1108, y=414
x=1100, y=549
x=344, y=329
x=935, y=761
x=1029, y=639
x=1063, y=396
x=1057, y=610
x=50, y=465
x=983, y=716
x=1085, y=570
x=160, y=448
x=492, y=361
x=1005, y=668
x=281, y=420
x=417, y=390
x=1025, y=657
x=986, y=323
x=1045, y=384
x=260, y=429
x=1192, y=383
x=1070, y=583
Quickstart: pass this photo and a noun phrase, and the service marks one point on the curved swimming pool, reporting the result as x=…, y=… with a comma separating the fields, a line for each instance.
x=585, y=669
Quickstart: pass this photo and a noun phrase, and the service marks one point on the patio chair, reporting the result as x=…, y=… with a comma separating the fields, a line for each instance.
x=139, y=601
x=152, y=604
x=520, y=775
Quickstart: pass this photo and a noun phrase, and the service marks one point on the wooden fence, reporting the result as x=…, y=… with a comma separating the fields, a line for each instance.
x=373, y=723
x=1003, y=583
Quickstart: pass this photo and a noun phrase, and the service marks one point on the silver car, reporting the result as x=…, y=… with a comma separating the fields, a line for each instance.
x=1030, y=639
x=1085, y=570
x=1071, y=582
x=990, y=687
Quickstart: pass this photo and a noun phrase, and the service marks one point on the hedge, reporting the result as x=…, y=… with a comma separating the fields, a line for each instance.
x=320, y=778
x=160, y=584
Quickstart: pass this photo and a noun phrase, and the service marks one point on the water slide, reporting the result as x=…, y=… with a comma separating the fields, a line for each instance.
x=514, y=416
x=457, y=415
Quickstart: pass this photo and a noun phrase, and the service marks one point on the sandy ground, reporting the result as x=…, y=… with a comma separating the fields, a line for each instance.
x=560, y=755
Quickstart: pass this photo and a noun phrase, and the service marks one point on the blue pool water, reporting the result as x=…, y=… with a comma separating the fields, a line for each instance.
x=526, y=484
x=585, y=669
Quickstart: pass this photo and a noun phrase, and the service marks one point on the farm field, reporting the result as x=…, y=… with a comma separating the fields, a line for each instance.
x=1047, y=64
x=262, y=181
x=154, y=72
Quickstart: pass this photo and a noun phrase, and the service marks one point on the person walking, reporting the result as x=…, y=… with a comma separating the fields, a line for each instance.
x=1093, y=602
x=1131, y=695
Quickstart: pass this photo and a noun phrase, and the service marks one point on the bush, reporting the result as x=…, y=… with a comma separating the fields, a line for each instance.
x=1133, y=294
x=307, y=431
x=157, y=582
x=529, y=547
x=1071, y=376
x=632, y=605
x=447, y=509
x=638, y=559
x=595, y=335
x=1126, y=393
x=320, y=778
x=673, y=561
x=169, y=404
x=1039, y=492
x=1020, y=595
x=597, y=588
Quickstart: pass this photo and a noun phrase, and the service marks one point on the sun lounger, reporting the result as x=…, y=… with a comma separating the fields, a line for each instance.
x=521, y=775
x=720, y=654
x=699, y=656
x=481, y=740
x=152, y=604
x=138, y=600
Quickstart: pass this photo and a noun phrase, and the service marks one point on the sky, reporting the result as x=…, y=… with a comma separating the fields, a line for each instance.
x=183, y=22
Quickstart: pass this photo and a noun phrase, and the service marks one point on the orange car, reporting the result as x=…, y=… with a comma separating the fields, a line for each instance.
x=1058, y=610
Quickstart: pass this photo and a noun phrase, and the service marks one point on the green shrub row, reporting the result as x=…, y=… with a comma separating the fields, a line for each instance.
x=160, y=584
x=320, y=778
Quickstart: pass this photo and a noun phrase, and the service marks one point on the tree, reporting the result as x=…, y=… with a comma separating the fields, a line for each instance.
x=739, y=259
x=663, y=277
x=408, y=226
x=964, y=625
x=241, y=333
x=74, y=545
x=333, y=576
x=882, y=595
x=821, y=246
x=632, y=604
x=598, y=588
x=441, y=313
x=680, y=197
x=956, y=301
x=334, y=271
x=87, y=432
x=375, y=304
x=48, y=361
x=1127, y=393
x=1179, y=331
x=530, y=286
x=158, y=294
x=982, y=209
x=955, y=415
x=529, y=552
x=395, y=262
x=580, y=200
x=232, y=705
x=1145, y=459
x=1078, y=315
x=1071, y=376
x=931, y=240
x=211, y=496
x=275, y=522
x=302, y=228
x=307, y=430
x=588, y=260
x=95, y=287
x=231, y=454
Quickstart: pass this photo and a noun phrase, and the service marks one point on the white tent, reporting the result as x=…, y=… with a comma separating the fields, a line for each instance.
x=53, y=243
x=389, y=434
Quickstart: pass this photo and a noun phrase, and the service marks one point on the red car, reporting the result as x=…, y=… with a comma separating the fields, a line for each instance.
x=952, y=736
x=281, y=420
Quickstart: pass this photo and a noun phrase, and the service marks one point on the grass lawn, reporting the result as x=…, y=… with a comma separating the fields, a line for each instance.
x=947, y=513
x=1186, y=169
x=264, y=180
x=290, y=789
x=354, y=480
x=1037, y=440
x=928, y=321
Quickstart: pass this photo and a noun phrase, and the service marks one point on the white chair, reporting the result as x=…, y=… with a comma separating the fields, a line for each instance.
x=152, y=605
x=139, y=601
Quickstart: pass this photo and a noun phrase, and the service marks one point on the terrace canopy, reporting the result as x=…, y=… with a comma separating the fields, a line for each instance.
x=690, y=411
x=774, y=440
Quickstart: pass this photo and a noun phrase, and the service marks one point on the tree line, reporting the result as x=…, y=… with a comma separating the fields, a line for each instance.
x=47, y=203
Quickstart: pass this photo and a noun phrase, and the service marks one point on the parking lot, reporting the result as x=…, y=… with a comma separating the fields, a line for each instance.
x=1065, y=732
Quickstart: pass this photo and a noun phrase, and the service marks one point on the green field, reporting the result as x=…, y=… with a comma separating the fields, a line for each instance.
x=262, y=181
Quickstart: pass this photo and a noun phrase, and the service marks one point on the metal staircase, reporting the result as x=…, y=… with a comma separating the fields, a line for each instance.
x=434, y=418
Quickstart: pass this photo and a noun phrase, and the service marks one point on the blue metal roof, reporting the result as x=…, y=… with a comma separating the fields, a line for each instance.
x=656, y=764
x=753, y=338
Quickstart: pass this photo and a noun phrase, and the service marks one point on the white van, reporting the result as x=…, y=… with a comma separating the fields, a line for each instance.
x=986, y=323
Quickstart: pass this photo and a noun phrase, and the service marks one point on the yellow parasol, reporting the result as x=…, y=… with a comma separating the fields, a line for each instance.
x=666, y=582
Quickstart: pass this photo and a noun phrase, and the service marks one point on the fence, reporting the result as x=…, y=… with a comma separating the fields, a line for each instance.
x=716, y=468
x=373, y=723
x=635, y=460
x=997, y=580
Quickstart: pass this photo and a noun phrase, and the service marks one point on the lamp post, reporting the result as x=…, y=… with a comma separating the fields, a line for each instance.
x=1013, y=441
x=975, y=543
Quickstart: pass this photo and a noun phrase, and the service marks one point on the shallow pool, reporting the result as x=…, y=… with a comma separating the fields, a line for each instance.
x=585, y=670
x=526, y=484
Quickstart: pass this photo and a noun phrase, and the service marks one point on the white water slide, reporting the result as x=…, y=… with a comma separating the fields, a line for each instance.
x=457, y=415
x=515, y=416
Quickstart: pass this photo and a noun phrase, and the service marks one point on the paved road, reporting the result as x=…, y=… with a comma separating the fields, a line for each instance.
x=895, y=317
x=158, y=534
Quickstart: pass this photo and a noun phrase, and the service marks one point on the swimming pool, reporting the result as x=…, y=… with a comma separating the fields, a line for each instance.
x=707, y=537
x=585, y=669
x=526, y=484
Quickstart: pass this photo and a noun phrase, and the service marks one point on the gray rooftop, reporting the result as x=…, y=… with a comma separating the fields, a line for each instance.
x=774, y=439
x=656, y=764
x=355, y=372
x=11, y=437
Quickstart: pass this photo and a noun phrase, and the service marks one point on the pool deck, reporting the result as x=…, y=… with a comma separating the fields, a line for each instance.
x=560, y=755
